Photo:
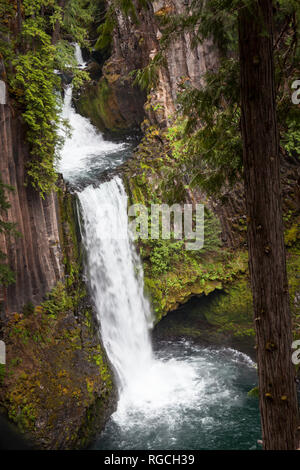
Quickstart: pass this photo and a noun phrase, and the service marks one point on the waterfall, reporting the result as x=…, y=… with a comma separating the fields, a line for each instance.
x=78, y=56
x=116, y=279
x=85, y=149
x=157, y=393
x=181, y=395
x=115, y=276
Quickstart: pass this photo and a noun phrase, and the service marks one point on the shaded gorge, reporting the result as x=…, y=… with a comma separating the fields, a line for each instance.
x=177, y=394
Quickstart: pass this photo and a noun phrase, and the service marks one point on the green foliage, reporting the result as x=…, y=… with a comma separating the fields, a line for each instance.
x=105, y=31
x=37, y=81
x=163, y=253
x=64, y=56
x=2, y=373
x=291, y=137
x=58, y=301
x=292, y=235
x=78, y=15
x=6, y=275
x=211, y=135
x=147, y=77
x=31, y=59
x=212, y=233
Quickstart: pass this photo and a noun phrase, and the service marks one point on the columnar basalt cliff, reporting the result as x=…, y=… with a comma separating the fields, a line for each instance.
x=182, y=62
x=57, y=385
x=35, y=256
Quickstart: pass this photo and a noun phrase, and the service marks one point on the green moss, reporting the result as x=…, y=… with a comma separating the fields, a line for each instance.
x=59, y=374
x=69, y=235
x=57, y=370
x=292, y=234
x=293, y=270
x=2, y=373
x=191, y=275
x=254, y=392
x=232, y=310
x=99, y=103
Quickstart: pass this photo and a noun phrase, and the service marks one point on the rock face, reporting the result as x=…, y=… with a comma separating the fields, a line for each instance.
x=57, y=385
x=35, y=256
x=113, y=103
x=182, y=62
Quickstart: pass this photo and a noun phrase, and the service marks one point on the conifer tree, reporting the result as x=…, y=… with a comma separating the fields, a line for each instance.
x=277, y=387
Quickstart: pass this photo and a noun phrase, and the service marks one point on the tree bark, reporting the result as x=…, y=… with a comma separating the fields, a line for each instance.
x=267, y=263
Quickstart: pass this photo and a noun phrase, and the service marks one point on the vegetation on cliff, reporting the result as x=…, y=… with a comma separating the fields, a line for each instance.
x=6, y=274
x=241, y=95
x=32, y=53
x=172, y=274
x=56, y=369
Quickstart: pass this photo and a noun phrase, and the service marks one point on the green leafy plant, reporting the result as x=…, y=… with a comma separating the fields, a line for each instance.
x=32, y=58
x=9, y=229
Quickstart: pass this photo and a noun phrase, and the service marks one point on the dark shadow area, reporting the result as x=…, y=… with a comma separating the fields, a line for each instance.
x=10, y=438
x=190, y=321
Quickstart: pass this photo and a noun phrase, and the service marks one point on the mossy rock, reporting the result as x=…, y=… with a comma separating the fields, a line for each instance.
x=219, y=319
x=99, y=104
x=57, y=386
x=112, y=103
x=220, y=277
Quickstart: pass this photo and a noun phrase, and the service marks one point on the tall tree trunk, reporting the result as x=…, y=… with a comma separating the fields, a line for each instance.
x=277, y=388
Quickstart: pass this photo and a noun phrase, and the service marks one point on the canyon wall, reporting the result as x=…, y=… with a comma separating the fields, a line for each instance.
x=35, y=255
x=183, y=62
x=152, y=175
x=56, y=369
x=113, y=103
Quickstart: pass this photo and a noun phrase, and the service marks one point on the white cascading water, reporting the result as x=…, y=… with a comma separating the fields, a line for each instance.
x=78, y=56
x=113, y=271
x=86, y=144
x=115, y=276
x=157, y=392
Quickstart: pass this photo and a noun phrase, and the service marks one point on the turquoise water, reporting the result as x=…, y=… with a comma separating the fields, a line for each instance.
x=220, y=415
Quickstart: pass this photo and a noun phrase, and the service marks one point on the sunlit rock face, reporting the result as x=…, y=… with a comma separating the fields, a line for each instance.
x=113, y=103
x=183, y=61
x=35, y=256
